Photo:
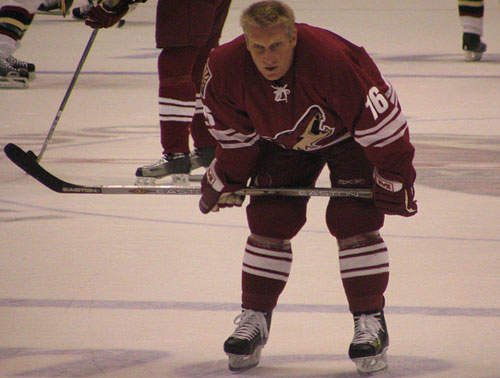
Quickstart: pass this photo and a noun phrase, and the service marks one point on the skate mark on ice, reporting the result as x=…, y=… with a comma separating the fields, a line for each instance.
x=75, y=362
x=231, y=307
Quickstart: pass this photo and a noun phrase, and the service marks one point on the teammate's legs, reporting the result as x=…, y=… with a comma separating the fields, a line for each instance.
x=199, y=132
x=15, y=20
x=182, y=29
x=177, y=97
x=471, y=14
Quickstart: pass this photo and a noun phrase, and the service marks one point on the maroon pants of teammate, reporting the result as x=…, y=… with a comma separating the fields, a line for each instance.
x=186, y=31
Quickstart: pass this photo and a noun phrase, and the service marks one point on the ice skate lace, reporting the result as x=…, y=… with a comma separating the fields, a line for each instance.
x=250, y=324
x=366, y=329
x=4, y=63
x=16, y=63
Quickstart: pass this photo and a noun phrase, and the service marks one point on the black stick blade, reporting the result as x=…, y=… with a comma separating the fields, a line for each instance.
x=27, y=162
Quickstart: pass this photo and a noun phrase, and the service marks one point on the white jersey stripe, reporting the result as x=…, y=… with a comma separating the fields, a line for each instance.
x=380, y=125
x=391, y=139
x=394, y=128
x=365, y=261
x=199, y=105
x=235, y=141
x=231, y=135
x=260, y=273
x=176, y=119
x=173, y=101
x=366, y=272
x=256, y=262
x=268, y=252
x=267, y=262
x=177, y=110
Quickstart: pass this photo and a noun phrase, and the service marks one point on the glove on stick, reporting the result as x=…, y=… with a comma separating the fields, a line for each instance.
x=392, y=196
x=213, y=199
x=103, y=16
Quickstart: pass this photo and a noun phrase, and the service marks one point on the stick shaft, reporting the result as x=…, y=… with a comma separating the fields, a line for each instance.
x=27, y=161
x=68, y=93
x=194, y=190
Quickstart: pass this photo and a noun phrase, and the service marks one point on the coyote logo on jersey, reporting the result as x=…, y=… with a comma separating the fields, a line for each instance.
x=309, y=133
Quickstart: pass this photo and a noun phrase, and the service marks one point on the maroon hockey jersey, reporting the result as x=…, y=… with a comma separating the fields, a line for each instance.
x=333, y=91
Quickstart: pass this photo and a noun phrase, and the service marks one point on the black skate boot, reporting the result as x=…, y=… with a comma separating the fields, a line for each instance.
x=473, y=47
x=245, y=345
x=369, y=346
x=56, y=7
x=80, y=13
x=20, y=64
x=202, y=157
x=12, y=77
x=175, y=164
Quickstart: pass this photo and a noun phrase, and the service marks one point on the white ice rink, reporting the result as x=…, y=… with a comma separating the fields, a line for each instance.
x=128, y=286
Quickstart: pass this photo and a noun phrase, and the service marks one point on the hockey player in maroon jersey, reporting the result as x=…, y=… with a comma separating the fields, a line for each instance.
x=186, y=31
x=284, y=100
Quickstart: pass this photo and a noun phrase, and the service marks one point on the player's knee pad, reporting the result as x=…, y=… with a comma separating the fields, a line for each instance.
x=276, y=217
x=360, y=240
x=346, y=217
x=269, y=243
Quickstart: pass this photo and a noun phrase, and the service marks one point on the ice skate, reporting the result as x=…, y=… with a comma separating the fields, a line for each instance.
x=20, y=64
x=12, y=77
x=202, y=157
x=368, y=348
x=473, y=47
x=55, y=7
x=245, y=345
x=176, y=165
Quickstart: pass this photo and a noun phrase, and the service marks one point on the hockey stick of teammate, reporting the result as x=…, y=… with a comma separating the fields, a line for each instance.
x=27, y=161
x=68, y=92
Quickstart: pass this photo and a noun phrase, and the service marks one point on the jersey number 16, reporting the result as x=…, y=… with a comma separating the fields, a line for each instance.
x=376, y=102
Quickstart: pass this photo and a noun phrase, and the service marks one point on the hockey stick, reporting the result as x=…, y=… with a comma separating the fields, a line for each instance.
x=68, y=92
x=27, y=161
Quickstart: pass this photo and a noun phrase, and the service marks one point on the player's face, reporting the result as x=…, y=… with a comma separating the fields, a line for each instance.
x=272, y=50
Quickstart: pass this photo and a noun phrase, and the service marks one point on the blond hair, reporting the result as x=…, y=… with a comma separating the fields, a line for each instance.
x=268, y=13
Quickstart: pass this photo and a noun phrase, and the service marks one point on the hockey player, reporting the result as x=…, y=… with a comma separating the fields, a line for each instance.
x=186, y=31
x=15, y=18
x=284, y=100
x=471, y=14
